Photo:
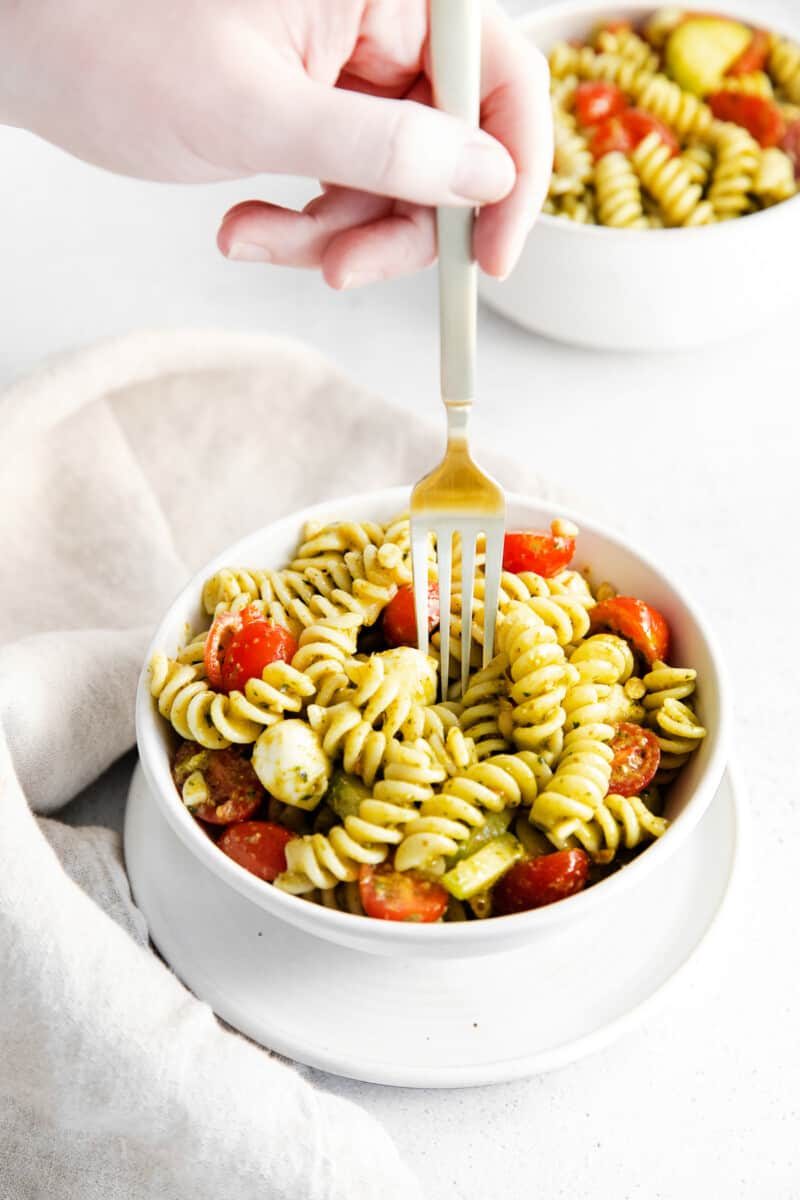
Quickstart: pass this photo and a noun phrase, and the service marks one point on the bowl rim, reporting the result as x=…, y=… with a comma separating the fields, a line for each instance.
x=529, y=21
x=332, y=924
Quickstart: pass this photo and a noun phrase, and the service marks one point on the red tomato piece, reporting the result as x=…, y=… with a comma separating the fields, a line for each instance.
x=544, y=553
x=790, y=144
x=759, y=116
x=251, y=648
x=240, y=645
x=640, y=123
x=626, y=130
x=393, y=895
x=218, y=636
x=595, y=101
x=399, y=621
x=754, y=56
x=610, y=136
x=636, y=758
x=258, y=846
x=539, y=881
x=641, y=624
x=234, y=790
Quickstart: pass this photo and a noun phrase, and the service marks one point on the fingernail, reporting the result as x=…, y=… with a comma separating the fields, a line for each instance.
x=249, y=252
x=484, y=172
x=358, y=279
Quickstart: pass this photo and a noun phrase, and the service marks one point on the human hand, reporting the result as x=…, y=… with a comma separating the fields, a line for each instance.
x=194, y=92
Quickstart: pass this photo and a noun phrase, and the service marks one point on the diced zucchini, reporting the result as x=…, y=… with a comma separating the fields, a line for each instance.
x=700, y=51
x=495, y=824
x=483, y=869
x=345, y=794
x=534, y=841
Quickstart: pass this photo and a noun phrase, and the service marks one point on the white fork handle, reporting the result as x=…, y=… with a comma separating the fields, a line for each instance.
x=456, y=70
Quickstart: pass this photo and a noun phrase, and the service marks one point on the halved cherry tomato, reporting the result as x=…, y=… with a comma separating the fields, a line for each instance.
x=399, y=621
x=539, y=881
x=393, y=895
x=790, y=144
x=625, y=131
x=258, y=846
x=609, y=137
x=234, y=790
x=759, y=116
x=240, y=645
x=544, y=553
x=641, y=624
x=595, y=101
x=219, y=635
x=251, y=648
x=640, y=123
x=636, y=758
x=754, y=56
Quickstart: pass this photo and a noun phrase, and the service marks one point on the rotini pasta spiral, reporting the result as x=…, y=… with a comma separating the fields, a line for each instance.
x=324, y=650
x=672, y=105
x=210, y=718
x=448, y=818
x=784, y=63
x=753, y=83
x=619, y=821
x=338, y=536
x=619, y=197
x=663, y=682
x=614, y=68
x=774, y=179
x=698, y=158
x=565, y=59
x=603, y=658
x=668, y=181
x=572, y=162
x=579, y=784
x=679, y=733
x=738, y=158
x=486, y=709
x=389, y=685
x=540, y=676
x=624, y=43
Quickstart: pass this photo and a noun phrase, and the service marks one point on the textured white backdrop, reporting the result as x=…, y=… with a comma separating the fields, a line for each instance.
x=697, y=455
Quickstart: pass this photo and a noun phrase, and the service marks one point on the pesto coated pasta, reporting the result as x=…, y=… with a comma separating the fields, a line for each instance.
x=308, y=726
x=689, y=120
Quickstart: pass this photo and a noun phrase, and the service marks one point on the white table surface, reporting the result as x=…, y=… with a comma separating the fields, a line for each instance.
x=697, y=455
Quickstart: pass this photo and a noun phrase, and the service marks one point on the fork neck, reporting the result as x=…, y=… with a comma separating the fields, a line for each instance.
x=458, y=416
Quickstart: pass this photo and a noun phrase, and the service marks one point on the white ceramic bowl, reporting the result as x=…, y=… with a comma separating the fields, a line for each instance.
x=611, y=558
x=647, y=289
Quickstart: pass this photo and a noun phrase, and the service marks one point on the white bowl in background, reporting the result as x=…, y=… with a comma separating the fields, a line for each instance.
x=653, y=289
x=610, y=558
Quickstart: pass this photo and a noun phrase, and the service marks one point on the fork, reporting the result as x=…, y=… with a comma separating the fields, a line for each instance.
x=457, y=499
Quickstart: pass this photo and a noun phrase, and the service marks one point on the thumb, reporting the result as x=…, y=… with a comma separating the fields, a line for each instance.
x=394, y=148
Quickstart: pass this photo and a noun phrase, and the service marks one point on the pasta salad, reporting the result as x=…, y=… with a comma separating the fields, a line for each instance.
x=310, y=744
x=689, y=120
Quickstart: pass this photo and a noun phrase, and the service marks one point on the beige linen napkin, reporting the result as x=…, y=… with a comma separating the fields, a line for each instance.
x=124, y=467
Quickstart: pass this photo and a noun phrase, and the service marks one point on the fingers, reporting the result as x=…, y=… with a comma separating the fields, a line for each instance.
x=354, y=237
x=399, y=244
x=516, y=111
x=259, y=232
x=390, y=147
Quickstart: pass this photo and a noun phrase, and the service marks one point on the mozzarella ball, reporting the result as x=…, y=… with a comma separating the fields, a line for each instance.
x=289, y=760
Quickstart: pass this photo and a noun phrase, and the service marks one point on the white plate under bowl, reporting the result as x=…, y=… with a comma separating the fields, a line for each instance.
x=420, y=1022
